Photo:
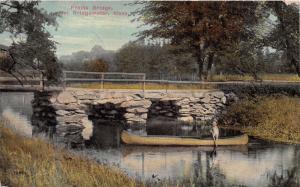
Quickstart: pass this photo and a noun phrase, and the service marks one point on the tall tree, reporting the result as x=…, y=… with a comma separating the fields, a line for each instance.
x=155, y=60
x=32, y=47
x=203, y=27
x=286, y=36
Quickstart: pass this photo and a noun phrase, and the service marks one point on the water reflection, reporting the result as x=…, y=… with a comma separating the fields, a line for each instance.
x=16, y=109
x=233, y=165
x=256, y=164
x=17, y=122
x=106, y=134
x=175, y=128
x=17, y=101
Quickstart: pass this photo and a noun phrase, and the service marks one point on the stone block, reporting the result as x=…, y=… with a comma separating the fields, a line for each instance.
x=136, y=110
x=129, y=115
x=71, y=119
x=206, y=99
x=187, y=119
x=66, y=98
x=144, y=116
x=217, y=94
x=65, y=107
x=140, y=103
x=62, y=112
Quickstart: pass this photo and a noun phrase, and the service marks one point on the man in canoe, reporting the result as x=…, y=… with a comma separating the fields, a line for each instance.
x=215, y=131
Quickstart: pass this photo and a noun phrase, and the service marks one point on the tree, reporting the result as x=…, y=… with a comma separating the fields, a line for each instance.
x=242, y=58
x=97, y=65
x=33, y=48
x=156, y=60
x=131, y=58
x=201, y=27
x=286, y=35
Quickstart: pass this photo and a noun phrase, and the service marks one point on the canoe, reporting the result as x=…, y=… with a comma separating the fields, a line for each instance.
x=132, y=139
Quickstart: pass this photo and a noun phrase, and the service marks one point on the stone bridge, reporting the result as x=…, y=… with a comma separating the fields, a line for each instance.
x=70, y=110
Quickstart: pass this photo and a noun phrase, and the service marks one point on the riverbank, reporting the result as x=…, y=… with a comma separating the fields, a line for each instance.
x=33, y=162
x=275, y=118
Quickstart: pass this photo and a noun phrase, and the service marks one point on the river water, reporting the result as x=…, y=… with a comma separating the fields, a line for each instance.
x=256, y=164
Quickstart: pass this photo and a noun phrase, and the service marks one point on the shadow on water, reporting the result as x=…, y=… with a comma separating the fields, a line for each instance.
x=165, y=126
x=106, y=134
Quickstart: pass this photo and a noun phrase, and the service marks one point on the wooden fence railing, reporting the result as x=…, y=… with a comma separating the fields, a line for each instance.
x=31, y=78
x=101, y=77
x=36, y=79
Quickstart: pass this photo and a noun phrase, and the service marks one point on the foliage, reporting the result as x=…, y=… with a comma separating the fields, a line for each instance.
x=230, y=35
x=73, y=66
x=266, y=118
x=155, y=60
x=97, y=65
x=75, y=61
x=286, y=35
x=254, y=90
x=242, y=58
x=32, y=47
x=32, y=162
x=246, y=77
x=204, y=27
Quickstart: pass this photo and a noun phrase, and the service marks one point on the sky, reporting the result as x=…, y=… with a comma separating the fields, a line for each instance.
x=88, y=23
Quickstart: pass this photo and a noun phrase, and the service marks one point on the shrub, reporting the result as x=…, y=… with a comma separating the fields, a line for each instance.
x=274, y=118
x=254, y=90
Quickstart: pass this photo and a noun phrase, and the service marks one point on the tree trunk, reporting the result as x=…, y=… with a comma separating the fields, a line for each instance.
x=209, y=66
x=200, y=66
x=297, y=66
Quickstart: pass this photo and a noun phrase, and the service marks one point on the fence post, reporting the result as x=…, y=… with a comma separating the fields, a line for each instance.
x=144, y=84
x=102, y=81
x=167, y=86
x=41, y=81
x=64, y=80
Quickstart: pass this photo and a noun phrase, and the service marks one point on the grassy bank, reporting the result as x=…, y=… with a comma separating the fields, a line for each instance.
x=32, y=162
x=274, y=118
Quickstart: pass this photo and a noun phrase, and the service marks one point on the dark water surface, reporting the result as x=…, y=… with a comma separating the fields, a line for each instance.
x=256, y=164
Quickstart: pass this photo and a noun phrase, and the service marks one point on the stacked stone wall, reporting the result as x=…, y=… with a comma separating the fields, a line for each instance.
x=72, y=110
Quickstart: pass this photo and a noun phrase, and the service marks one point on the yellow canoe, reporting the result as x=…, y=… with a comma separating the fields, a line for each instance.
x=132, y=139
